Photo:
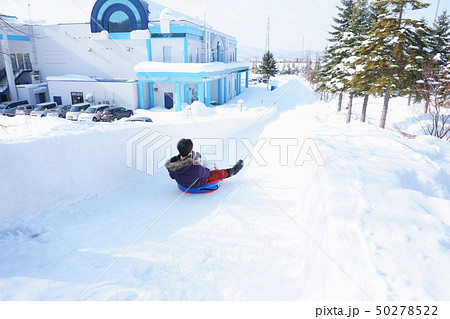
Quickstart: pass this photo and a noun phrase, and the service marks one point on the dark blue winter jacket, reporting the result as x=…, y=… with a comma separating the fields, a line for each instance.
x=186, y=172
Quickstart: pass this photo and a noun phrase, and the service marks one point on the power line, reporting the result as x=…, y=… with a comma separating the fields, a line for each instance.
x=437, y=10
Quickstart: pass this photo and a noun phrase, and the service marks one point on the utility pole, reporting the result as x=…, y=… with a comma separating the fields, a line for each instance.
x=33, y=43
x=303, y=48
x=268, y=35
x=205, y=41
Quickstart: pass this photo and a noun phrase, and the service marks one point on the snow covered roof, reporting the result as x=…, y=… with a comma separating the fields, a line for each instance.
x=84, y=78
x=194, y=68
x=9, y=19
x=71, y=77
x=32, y=86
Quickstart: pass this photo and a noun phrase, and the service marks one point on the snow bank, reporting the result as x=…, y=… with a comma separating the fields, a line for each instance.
x=372, y=223
x=62, y=169
x=199, y=109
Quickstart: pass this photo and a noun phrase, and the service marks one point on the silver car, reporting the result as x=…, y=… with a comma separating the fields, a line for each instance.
x=93, y=113
x=59, y=111
x=9, y=108
x=42, y=109
x=24, y=109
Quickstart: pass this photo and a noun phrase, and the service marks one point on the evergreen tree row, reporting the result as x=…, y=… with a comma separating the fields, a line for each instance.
x=375, y=48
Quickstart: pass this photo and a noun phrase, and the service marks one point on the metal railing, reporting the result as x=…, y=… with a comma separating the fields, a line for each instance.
x=4, y=85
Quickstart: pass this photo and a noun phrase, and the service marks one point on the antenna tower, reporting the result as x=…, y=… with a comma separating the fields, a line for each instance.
x=268, y=35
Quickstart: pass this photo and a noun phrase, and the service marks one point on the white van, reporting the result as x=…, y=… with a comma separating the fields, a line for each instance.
x=76, y=110
x=93, y=113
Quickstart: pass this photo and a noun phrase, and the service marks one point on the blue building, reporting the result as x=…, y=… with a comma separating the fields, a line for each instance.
x=137, y=53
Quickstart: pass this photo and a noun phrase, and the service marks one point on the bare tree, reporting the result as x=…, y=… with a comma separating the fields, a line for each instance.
x=5, y=25
x=23, y=29
x=434, y=88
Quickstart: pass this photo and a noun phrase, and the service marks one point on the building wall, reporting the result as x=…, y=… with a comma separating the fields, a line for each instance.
x=120, y=93
x=231, y=86
x=159, y=95
x=177, y=45
x=28, y=92
x=2, y=62
x=16, y=46
x=72, y=49
x=193, y=46
x=215, y=91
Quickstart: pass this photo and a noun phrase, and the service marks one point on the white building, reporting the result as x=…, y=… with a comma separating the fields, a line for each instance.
x=16, y=61
x=133, y=53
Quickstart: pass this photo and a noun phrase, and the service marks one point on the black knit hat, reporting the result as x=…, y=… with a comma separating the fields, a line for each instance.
x=184, y=146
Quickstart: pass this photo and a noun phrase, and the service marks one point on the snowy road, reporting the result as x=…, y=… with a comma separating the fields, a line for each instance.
x=372, y=223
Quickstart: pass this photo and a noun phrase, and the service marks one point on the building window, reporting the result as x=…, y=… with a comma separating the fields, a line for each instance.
x=111, y=13
x=21, y=61
x=27, y=61
x=190, y=53
x=167, y=54
x=198, y=55
x=14, y=62
x=119, y=22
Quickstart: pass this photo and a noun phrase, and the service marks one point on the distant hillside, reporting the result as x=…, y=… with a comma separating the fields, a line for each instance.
x=249, y=53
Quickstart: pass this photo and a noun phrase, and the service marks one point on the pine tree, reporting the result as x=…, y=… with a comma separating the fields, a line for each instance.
x=387, y=58
x=333, y=71
x=337, y=68
x=440, y=39
x=360, y=24
x=268, y=67
x=437, y=56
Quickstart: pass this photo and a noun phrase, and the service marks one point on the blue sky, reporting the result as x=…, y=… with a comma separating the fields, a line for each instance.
x=291, y=20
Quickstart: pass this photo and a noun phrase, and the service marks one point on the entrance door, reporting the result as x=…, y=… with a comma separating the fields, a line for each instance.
x=168, y=100
x=77, y=97
x=57, y=100
x=40, y=97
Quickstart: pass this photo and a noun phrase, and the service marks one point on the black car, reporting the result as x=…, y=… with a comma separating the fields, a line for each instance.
x=115, y=113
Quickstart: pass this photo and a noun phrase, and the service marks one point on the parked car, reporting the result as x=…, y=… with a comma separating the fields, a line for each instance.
x=93, y=113
x=24, y=109
x=59, y=111
x=76, y=110
x=42, y=109
x=115, y=113
x=9, y=108
x=139, y=119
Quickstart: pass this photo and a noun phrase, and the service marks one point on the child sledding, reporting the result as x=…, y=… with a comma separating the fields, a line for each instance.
x=193, y=177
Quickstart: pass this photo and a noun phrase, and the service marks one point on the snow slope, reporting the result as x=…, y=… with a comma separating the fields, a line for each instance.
x=372, y=223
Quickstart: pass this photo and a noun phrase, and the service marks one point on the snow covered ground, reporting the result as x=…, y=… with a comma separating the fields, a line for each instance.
x=372, y=223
